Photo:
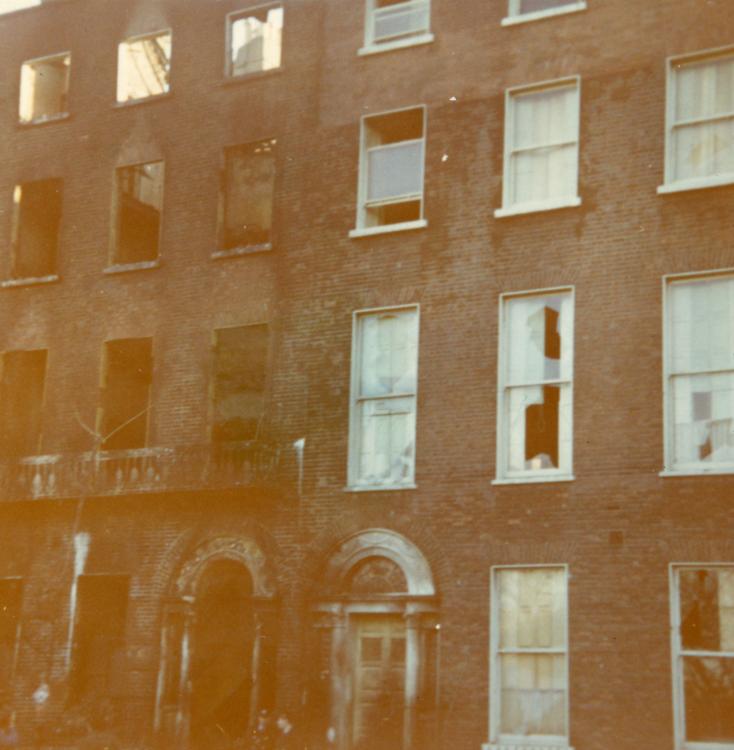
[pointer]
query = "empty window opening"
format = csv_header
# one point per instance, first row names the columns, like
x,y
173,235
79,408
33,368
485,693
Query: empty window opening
x,y
36,219
11,596
144,66
248,194
240,364
139,203
21,401
392,20
44,87
391,173
255,39
99,637
126,393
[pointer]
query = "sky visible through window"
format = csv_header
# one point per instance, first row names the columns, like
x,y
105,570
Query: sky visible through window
x,y
7,6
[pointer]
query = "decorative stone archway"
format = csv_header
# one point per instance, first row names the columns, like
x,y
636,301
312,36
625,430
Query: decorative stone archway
x,y
180,616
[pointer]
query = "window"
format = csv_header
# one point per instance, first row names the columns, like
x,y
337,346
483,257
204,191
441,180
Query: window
x,y
535,386
702,611
36,219
384,383
396,23
11,596
529,657
699,379
144,66
138,203
125,394
21,401
240,366
44,87
249,177
541,148
699,142
391,171
254,40
529,10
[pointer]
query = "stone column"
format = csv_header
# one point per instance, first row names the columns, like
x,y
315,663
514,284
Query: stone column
x,y
341,688
412,667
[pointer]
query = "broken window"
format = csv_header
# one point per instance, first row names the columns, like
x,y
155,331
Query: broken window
x,y
396,20
703,647
240,364
99,637
126,393
44,87
143,66
391,170
700,373
11,595
384,383
139,202
21,401
535,392
36,219
255,38
248,194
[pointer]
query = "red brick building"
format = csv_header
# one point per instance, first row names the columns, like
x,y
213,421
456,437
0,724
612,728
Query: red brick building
x,y
372,363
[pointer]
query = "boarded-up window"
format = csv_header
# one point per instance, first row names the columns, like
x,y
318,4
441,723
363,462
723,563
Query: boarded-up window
x,y
248,194
11,595
44,86
139,204
240,356
36,217
21,401
99,630
126,393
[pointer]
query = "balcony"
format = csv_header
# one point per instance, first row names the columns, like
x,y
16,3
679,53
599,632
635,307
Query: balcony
x,y
146,470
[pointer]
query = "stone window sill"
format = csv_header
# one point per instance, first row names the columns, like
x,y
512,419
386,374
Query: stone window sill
x,y
29,281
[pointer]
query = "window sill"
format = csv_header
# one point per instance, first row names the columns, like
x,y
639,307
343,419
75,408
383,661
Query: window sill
x,y
379,488
536,479
142,100
719,471
236,252
413,41
404,226
539,15
696,184
529,208
29,281
533,745
257,75
45,120
140,266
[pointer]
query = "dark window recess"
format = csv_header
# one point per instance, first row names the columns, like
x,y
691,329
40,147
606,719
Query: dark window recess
x,y
21,401
249,175
99,630
139,206
239,381
11,596
126,393
36,228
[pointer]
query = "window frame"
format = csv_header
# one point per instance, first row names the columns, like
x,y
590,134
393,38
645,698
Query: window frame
x,y
502,474
670,468
233,16
509,208
498,741
671,185
515,16
677,654
354,443
150,97
57,115
372,46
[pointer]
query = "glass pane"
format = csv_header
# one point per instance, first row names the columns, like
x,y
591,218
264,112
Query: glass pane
x,y
389,353
704,89
545,117
708,685
143,67
531,6
401,19
387,441
255,41
707,609
704,150
395,170
544,174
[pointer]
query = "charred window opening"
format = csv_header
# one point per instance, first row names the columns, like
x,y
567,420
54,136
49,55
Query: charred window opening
x,y
240,361
255,41
249,176
21,401
99,637
126,393
44,87
143,66
11,596
36,218
139,202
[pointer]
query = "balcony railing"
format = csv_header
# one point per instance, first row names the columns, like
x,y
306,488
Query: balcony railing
x,y
145,470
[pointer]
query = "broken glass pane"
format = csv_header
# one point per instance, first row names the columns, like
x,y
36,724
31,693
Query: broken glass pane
x,y
708,684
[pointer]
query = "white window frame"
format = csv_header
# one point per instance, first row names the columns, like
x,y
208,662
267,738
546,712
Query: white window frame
x,y
372,45
508,207
669,418
362,229
670,184
353,482
503,474
44,118
137,38
515,16
678,653
498,741
230,19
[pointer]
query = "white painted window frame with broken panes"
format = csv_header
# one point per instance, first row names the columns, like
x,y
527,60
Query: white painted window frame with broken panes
x,y
528,646
520,373
382,420
698,342
711,657
395,24
522,11
268,57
